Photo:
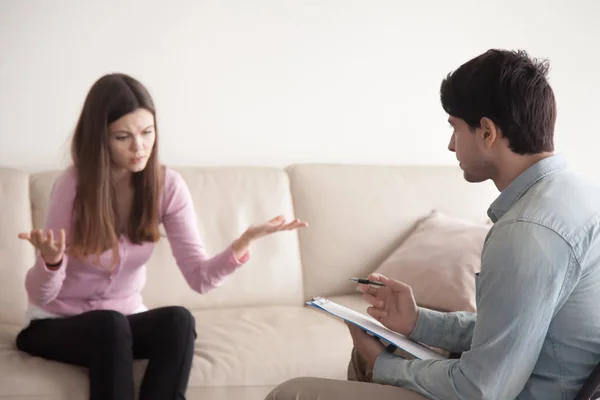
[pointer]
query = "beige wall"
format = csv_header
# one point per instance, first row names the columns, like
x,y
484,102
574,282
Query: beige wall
x,y
277,82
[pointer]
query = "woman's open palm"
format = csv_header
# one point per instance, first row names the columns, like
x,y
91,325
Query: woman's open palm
x,y
274,225
50,249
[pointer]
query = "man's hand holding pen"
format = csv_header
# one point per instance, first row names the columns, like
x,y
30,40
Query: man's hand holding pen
x,y
392,304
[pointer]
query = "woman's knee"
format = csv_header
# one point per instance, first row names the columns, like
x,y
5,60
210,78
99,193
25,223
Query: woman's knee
x,y
109,328
180,320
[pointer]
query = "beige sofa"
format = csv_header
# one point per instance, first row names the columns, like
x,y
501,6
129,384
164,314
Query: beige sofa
x,y
254,331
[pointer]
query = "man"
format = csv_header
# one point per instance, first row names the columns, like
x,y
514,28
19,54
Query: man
x,y
536,334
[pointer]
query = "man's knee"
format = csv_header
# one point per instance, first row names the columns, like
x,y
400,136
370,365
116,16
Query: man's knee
x,y
357,368
293,389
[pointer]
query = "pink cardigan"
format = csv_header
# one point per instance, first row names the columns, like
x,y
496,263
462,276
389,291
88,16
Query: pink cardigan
x,y
77,286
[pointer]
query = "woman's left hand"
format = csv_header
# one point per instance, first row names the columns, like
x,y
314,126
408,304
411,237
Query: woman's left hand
x,y
277,224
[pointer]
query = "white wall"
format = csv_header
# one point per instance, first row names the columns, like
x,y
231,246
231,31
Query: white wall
x,y
274,82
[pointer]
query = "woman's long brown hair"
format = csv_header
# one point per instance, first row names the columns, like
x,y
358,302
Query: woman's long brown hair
x,y
95,216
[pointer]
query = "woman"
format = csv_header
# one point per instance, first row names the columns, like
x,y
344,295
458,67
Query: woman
x,y
85,304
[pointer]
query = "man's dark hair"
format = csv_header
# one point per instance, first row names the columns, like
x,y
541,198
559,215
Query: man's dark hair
x,y
509,88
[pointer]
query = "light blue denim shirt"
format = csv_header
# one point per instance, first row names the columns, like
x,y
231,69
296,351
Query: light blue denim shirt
x,y
536,334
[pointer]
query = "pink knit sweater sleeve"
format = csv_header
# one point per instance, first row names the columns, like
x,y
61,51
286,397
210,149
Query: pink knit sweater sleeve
x,y
41,283
201,272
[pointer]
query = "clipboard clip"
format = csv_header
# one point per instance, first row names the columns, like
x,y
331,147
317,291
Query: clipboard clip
x,y
319,300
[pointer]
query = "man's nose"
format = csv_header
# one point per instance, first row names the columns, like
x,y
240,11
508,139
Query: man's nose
x,y
451,144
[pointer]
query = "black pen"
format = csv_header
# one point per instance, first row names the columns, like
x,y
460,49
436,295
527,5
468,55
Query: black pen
x,y
366,282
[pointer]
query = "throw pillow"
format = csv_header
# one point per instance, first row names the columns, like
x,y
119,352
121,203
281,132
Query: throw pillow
x,y
439,260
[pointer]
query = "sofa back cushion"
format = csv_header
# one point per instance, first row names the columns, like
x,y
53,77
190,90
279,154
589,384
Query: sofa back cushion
x,y
360,214
226,201
16,254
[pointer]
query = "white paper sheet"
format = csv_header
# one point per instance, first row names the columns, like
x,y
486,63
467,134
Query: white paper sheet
x,y
375,327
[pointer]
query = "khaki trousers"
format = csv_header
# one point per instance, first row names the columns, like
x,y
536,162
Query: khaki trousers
x,y
358,386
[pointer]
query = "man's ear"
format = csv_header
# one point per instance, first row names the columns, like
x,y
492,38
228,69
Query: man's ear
x,y
489,131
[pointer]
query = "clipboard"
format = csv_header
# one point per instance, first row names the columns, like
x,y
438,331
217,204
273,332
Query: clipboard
x,y
376,329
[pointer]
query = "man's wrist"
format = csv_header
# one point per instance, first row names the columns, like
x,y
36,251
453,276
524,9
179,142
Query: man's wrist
x,y
414,324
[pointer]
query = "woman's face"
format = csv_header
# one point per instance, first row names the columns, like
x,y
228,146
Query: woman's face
x,y
131,140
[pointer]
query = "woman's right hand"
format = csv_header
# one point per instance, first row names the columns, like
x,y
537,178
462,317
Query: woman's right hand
x,y
393,305
51,250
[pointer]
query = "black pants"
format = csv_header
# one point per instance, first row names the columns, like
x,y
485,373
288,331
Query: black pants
x,y
107,342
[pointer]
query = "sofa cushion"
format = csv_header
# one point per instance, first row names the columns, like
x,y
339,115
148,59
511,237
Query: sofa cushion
x,y
255,347
439,260
359,214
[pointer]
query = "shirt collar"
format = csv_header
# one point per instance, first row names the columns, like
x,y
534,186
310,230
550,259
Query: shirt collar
x,y
517,188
